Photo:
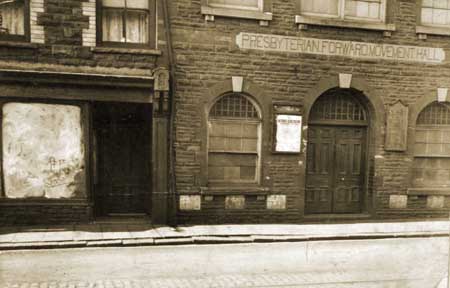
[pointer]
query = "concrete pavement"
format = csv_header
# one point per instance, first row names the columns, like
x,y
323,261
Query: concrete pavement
x,y
128,234
389,263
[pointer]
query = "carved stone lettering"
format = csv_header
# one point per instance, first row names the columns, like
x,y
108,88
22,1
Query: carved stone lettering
x,y
397,127
362,50
190,202
276,202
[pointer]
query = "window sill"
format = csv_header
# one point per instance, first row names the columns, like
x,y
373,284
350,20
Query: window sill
x,y
428,191
234,190
43,201
15,44
116,50
302,20
210,12
423,31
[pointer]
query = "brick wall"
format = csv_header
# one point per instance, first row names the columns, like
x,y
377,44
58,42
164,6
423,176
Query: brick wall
x,y
206,54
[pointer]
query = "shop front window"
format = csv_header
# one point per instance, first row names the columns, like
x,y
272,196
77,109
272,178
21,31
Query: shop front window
x,y
43,151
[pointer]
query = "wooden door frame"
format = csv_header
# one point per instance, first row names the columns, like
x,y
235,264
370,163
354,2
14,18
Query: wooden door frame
x,y
364,157
98,207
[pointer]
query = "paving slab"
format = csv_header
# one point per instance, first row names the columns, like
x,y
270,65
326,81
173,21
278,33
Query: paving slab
x,y
142,231
110,231
87,232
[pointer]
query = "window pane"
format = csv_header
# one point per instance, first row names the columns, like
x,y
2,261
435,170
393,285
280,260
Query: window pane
x,y
12,18
363,9
137,4
238,167
427,3
112,25
137,27
114,3
245,4
439,16
43,153
233,136
431,172
326,7
427,15
440,4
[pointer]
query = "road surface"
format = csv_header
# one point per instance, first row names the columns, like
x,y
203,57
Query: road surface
x,y
407,262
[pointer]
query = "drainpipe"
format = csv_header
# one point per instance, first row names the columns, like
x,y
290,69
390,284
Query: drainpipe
x,y
172,199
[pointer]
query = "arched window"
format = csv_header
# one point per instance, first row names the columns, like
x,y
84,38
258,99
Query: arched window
x,y
432,147
234,136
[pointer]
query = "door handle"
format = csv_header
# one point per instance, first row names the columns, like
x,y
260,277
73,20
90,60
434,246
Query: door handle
x,y
343,178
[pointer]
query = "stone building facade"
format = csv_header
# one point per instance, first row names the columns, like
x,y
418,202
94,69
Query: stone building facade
x,y
224,111
297,110
84,97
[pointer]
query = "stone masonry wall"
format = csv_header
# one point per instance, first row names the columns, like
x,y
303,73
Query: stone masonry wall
x,y
206,54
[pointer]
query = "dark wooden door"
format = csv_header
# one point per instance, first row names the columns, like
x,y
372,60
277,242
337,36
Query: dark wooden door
x,y
335,169
123,140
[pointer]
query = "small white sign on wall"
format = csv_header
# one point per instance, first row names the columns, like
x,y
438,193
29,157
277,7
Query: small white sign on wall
x,y
288,135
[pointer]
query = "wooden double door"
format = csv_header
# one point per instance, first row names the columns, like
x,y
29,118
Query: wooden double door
x,y
122,133
335,169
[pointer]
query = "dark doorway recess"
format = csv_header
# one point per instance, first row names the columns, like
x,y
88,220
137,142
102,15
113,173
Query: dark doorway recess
x,y
336,154
122,158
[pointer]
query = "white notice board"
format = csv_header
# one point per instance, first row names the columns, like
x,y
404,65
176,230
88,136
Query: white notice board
x,y
288,133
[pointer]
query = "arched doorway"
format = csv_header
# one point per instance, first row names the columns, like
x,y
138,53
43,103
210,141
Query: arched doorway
x,y
337,153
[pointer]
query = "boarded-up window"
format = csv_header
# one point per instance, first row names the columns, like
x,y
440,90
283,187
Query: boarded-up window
x,y
346,9
234,137
43,152
237,4
125,21
435,12
12,17
432,147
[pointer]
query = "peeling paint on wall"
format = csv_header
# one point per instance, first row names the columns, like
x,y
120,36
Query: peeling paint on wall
x,y
43,152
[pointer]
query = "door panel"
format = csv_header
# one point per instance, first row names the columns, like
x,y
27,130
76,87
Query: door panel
x,y
349,179
319,170
335,174
124,146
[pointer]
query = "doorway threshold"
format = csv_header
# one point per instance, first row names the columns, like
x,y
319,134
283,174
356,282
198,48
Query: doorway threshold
x,y
124,219
332,218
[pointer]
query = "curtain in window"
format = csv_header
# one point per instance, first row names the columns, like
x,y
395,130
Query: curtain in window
x,y
137,27
12,17
245,4
435,12
133,15
112,25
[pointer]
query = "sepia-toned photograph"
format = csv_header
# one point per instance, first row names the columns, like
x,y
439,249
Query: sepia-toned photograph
x,y
224,143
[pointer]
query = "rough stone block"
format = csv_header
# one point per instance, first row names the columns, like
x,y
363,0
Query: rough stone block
x,y
276,202
398,201
234,202
435,202
190,202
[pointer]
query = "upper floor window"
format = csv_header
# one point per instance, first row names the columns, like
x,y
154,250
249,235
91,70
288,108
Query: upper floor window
x,y
127,22
435,12
256,5
234,134
368,10
13,19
